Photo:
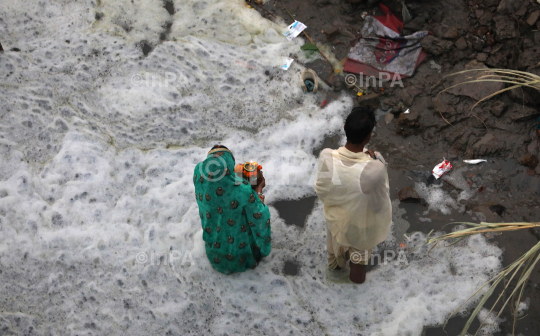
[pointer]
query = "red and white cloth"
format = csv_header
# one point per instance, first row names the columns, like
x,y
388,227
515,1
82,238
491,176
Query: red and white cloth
x,y
383,49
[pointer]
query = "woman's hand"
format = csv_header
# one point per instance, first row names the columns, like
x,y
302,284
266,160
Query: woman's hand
x,y
261,182
259,187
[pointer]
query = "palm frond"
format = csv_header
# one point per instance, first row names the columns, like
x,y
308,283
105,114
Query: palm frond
x,y
514,77
526,262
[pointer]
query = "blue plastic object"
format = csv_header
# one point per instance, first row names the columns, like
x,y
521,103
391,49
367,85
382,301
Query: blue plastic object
x,y
309,85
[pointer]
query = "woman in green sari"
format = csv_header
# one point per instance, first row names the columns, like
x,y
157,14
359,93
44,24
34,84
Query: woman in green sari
x,y
234,218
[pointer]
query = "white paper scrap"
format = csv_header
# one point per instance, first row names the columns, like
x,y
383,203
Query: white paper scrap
x,y
474,161
287,63
294,30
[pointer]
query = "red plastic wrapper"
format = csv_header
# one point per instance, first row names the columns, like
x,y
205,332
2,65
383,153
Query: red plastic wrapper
x,y
442,168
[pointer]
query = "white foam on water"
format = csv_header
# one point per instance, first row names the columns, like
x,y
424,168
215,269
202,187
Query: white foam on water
x,y
491,322
397,298
99,229
440,200
523,307
436,197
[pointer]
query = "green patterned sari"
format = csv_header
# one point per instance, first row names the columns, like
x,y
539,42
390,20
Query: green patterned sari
x,y
236,224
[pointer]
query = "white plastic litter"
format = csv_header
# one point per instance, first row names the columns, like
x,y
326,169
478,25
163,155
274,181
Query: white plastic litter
x,y
294,30
405,12
441,168
378,156
477,161
407,112
287,63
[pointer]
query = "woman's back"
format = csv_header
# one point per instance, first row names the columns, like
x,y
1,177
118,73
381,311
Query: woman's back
x,y
236,224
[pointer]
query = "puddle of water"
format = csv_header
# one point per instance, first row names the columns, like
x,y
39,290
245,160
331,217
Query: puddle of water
x,y
169,6
329,142
295,212
291,267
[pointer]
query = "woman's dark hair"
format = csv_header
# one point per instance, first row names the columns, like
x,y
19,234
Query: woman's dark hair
x,y
218,146
219,153
359,124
